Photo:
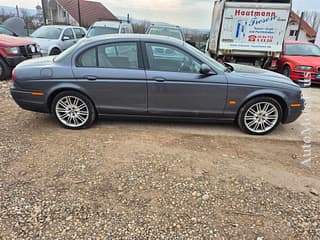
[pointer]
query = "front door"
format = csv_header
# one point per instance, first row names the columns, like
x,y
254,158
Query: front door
x,y
176,87
68,39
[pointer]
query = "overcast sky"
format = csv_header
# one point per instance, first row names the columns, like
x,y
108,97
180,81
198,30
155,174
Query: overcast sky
x,y
188,13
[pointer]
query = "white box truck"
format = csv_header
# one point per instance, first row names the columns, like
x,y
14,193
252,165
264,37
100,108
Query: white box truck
x,y
249,32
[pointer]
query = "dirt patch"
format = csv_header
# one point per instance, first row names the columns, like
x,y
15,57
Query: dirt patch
x,y
150,180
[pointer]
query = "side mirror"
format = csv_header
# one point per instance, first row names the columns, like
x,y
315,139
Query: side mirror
x,y
65,38
205,69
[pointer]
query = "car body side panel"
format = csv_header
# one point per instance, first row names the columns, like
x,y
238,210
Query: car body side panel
x,y
114,90
186,94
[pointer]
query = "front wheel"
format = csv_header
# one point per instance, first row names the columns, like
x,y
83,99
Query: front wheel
x,y
73,110
260,116
287,71
4,70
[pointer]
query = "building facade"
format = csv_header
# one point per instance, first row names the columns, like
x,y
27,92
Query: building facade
x,y
67,12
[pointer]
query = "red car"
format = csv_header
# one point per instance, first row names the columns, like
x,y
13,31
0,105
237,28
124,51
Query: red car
x,y
14,50
300,61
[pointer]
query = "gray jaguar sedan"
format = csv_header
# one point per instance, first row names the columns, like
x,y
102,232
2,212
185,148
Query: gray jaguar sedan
x,y
153,76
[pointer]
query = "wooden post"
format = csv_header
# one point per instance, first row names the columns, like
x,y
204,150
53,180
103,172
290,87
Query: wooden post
x,y
299,29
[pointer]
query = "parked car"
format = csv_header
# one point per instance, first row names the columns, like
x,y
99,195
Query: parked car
x,y
7,31
124,75
14,50
300,61
166,30
109,27
53,39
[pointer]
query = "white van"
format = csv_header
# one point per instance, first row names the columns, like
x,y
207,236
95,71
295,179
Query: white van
x,y
109,27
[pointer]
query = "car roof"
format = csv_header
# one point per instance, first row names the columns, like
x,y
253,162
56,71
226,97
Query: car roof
x,y
107,24
297,42
145,37
61,26
164,25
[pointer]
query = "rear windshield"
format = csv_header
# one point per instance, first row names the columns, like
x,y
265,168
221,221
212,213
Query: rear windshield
x,y
164,31
302,50
95,31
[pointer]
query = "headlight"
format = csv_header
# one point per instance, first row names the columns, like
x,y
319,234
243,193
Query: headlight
x,y
12,50
38,48
32,48
304,68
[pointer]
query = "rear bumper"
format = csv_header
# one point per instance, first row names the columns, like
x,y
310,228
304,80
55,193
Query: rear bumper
x,y
27,101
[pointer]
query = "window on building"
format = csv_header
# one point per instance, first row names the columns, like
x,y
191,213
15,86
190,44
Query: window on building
x,y
293,33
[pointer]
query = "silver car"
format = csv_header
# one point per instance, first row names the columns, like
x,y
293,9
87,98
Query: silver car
x,y
53,39
153,76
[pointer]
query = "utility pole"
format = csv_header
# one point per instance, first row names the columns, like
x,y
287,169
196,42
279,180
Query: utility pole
x,y
300,23
79,13
44,11
17,8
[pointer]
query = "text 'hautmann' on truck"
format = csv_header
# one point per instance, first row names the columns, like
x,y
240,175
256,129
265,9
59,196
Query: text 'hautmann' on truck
x,y
249,32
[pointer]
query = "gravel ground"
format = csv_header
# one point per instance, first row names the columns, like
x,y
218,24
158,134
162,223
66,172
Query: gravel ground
x,y
155,180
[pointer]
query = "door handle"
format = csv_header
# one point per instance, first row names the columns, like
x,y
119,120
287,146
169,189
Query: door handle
x,y
159,79
91,78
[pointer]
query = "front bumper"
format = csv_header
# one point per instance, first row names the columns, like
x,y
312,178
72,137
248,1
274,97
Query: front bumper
x,y
13,61
294,112
27,101
305,77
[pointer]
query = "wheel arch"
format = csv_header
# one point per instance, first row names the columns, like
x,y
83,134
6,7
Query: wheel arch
x,y
279,97
55,91
53,47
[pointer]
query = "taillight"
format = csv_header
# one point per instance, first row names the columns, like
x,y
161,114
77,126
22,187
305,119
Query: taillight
x,y
14,76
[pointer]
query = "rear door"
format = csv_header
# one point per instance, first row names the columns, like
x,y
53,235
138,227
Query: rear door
x,y
176,87
114,77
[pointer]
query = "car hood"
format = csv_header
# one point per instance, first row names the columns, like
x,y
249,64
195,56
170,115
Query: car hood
x,y
43,43
305,60
258,75
10,41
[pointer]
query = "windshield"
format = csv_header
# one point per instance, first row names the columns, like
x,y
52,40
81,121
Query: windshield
x,y
217,65
302,50
95,31
47,32
169,32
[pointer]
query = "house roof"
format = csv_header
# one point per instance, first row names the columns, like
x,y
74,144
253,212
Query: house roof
x,y
90,11
304,25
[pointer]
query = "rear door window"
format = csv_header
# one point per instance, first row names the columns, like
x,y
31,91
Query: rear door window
x,y
115,55
79,33
118,55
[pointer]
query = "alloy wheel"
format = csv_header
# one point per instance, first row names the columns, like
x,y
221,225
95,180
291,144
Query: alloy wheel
x,y
72,111
261,117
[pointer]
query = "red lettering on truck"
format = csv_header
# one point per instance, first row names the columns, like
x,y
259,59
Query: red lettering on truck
x,y
253,13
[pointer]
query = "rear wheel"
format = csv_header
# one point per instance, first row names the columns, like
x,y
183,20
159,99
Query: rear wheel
x,y
73,110
260,116
4,70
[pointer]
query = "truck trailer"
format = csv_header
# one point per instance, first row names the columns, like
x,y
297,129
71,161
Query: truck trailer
x,y
249,32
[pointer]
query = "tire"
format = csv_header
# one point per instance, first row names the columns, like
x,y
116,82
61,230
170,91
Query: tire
x,y
54,51
260,121
73,110
287,71
4,70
